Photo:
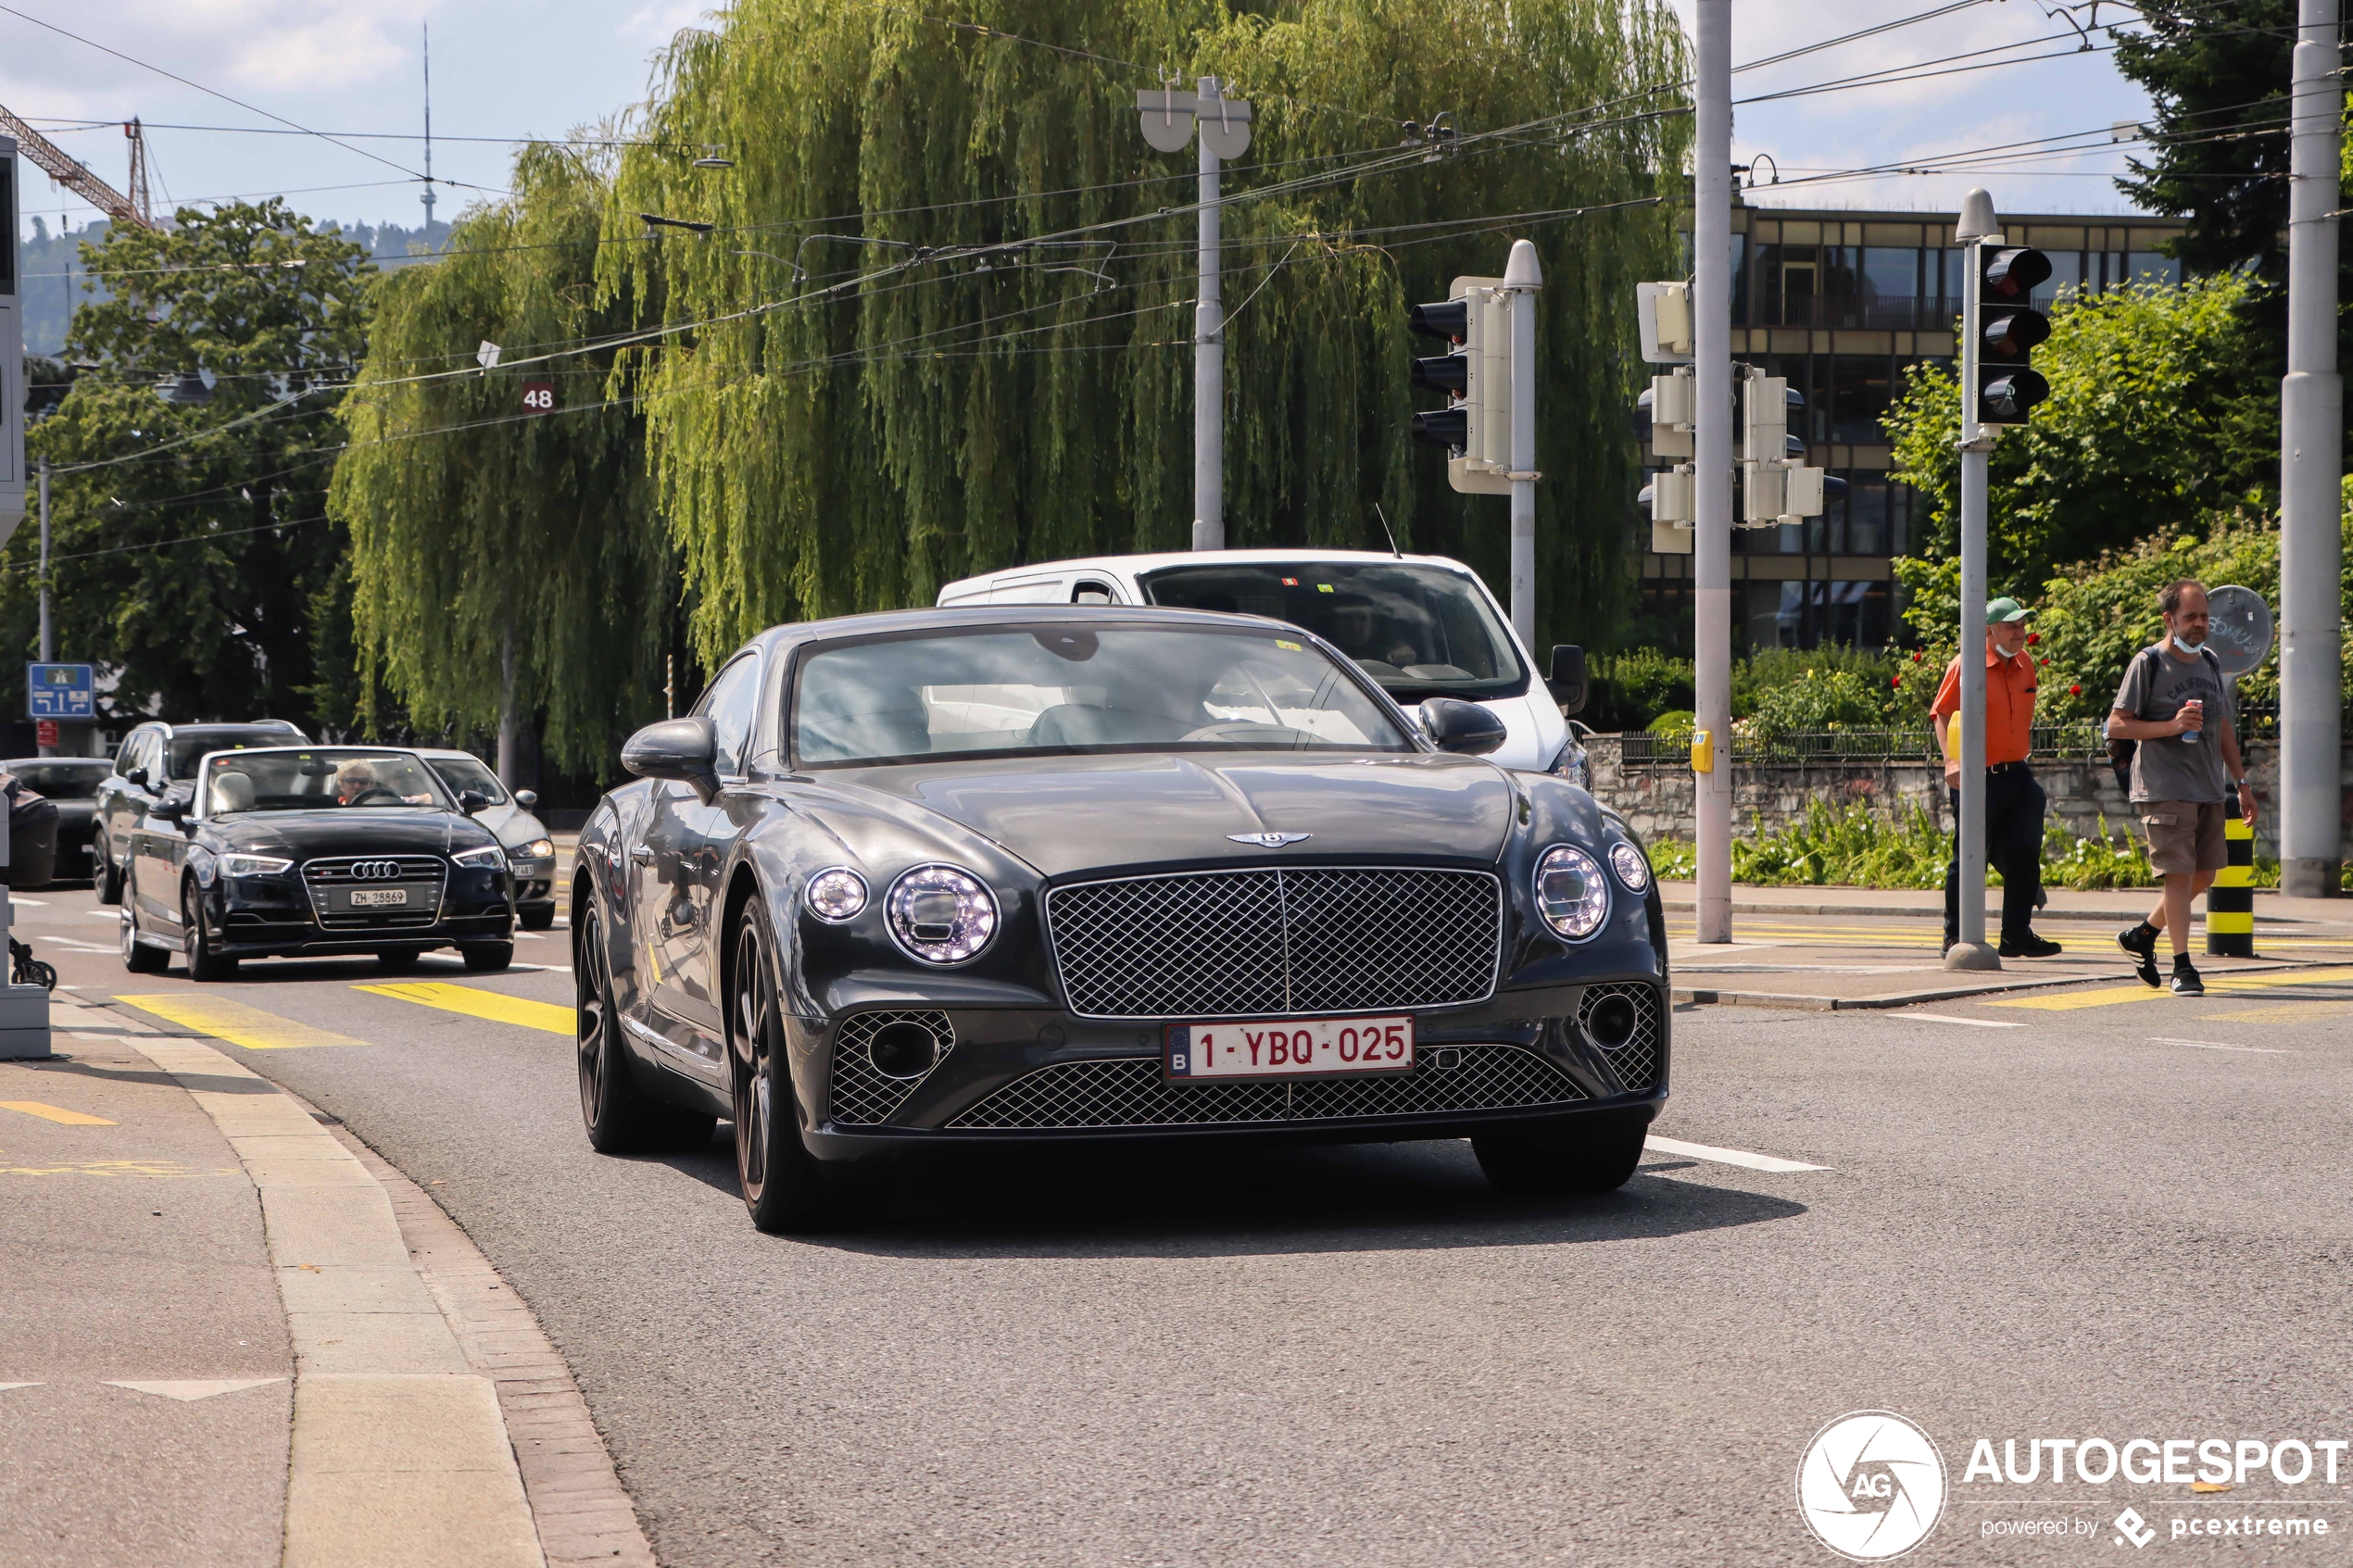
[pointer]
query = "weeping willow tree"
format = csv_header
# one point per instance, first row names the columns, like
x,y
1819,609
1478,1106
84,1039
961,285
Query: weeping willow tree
x,y
505,561
941,322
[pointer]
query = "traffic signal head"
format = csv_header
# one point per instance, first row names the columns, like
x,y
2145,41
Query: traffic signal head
x,y
2009,330
1475,426
1448,373
1449,319
2008,336
2013,276
1443,427
2010,392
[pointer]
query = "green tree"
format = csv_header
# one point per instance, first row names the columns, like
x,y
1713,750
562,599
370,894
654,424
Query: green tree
x,y
190,538
942,322
504,560
2156,418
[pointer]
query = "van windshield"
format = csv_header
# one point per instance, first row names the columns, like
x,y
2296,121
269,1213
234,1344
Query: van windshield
x,y
1420,630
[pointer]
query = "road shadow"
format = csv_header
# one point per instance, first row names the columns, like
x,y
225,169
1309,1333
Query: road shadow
x,y
1237,1198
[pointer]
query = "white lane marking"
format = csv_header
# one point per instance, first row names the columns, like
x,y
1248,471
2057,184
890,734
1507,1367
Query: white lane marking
x,y
114,916
189,1390
6,1386
2218,1046
1972,1022
527,937
78,947
24,903
1739,1157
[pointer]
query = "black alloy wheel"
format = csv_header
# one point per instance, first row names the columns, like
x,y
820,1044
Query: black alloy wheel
x,y
1576,1156
783,1186
204,964
620,1116
137,957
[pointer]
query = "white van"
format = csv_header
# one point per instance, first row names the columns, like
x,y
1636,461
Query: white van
x,y
1423,626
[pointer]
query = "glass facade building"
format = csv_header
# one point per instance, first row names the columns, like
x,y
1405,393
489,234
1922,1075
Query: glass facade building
x,y
1844,305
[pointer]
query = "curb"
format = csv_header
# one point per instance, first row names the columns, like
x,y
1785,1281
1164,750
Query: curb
x,y
1924,912
1703,996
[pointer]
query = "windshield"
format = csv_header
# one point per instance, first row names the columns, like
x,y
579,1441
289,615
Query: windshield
x,y
61,782
327,779
1074,688
462,773
187,750
1418,629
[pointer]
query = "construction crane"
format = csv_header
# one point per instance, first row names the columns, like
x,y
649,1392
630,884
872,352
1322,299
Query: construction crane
x,y
75,175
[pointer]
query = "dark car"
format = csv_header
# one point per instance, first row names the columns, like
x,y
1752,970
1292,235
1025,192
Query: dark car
x,y
1046,873
73,783
156,761
308,850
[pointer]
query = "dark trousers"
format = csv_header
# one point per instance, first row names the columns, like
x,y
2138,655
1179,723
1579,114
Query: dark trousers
x,y
2014,805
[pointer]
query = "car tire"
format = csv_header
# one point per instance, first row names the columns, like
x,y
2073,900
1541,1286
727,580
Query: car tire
x,y
620,1116
137,957
397,961
486,958
109,879
204,964
1574,1155
783,1186
536,920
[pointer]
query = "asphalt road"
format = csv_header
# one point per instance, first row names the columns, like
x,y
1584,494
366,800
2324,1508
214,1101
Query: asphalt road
x,y
2126,1218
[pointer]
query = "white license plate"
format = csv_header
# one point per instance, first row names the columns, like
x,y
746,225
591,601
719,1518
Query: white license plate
x,y
1293,1048
378,897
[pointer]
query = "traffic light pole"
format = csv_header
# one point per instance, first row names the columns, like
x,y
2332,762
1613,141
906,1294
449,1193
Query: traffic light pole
x,y
1970,951
1522,277
2312,467
1209,358
1712,463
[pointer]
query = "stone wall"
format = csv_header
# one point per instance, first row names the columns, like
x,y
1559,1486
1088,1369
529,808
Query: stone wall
x,y
1659,800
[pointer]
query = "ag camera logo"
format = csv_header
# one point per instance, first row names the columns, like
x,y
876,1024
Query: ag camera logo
x,y
1871,1485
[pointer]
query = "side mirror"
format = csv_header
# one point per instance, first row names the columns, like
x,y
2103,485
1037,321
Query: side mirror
x,y
174,810
1567,677
471,800
136,776
685,750
1463,727
527,798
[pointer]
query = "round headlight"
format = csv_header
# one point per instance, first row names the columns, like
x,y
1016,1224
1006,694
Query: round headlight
x,y
835,895
941,914
1570,892
1631,869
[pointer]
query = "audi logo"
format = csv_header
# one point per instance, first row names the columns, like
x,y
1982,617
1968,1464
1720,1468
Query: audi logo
x,y
375,871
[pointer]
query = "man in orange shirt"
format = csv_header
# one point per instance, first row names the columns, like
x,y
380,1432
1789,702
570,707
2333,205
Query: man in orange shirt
x,y
2014,801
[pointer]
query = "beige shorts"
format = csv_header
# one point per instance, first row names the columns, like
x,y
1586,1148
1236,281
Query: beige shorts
x,y
2184,836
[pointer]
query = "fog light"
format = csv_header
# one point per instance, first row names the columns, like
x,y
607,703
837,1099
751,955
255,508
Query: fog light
x,y
1611,1022
902,1050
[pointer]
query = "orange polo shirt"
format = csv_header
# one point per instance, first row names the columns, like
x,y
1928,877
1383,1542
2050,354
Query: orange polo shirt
x,y
2010,704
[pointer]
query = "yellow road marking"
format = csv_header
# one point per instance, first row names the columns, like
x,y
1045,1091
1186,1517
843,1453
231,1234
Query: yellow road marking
x,y
2113,996
54,1113
224,1019
475,1002
156,1168
2285,1012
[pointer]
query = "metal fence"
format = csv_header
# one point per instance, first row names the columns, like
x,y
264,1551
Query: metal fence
x,y
2086,742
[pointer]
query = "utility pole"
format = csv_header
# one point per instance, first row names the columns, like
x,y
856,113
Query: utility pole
x,y
2311,468
1522,277
428,197
1976,227
1712,465
1170,121
509,764
49,648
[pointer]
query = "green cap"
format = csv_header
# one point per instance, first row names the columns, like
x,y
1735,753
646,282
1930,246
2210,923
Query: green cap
x,y
2002,610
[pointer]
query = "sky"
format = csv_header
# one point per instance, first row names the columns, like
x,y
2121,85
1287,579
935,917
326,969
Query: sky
x,y
508,68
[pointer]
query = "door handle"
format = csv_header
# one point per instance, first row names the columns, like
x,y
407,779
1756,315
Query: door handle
x,y
642,854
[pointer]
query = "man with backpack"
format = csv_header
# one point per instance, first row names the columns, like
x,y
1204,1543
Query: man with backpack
x,y
2177,709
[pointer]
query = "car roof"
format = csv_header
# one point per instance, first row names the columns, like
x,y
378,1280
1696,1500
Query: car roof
x,y
56,762
1136,565
965,617
443,754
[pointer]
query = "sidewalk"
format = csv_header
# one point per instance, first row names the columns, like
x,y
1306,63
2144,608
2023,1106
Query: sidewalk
x,y
1845,947
239,1337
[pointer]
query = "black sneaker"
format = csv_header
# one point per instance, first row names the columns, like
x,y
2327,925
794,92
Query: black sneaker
x,y
2140,942
2186,982
2029,947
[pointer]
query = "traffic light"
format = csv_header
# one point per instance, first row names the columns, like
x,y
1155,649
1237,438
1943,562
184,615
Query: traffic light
x,y
1476,375
2009,329
1776,485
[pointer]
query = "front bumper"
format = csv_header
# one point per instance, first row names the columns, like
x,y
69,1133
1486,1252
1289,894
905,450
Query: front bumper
x,y
1017,1074
274,917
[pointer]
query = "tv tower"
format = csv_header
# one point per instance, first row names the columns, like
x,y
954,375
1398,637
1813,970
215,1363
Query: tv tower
x,y
428,195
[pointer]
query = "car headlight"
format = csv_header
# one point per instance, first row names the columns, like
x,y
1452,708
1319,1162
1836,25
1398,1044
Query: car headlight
x,y
941,914
482,854
1570,764
253,865
1570,892
1631,869
835,895
538,850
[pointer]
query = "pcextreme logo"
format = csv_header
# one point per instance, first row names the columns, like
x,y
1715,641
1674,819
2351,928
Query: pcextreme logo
x,y
1871,1485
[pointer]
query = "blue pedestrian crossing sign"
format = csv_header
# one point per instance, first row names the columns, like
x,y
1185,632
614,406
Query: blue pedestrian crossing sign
x,y
59,691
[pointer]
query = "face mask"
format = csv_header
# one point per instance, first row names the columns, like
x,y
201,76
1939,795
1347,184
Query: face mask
x,y
2006,653
2187,647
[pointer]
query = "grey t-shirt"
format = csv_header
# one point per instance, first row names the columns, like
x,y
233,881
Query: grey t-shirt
x,y
2174,767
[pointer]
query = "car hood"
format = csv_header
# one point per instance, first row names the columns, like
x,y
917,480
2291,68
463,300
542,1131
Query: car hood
x,y
1068,814
344,831
512,824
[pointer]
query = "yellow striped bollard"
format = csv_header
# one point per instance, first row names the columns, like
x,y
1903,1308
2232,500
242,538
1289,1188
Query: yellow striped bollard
x,y
2230,903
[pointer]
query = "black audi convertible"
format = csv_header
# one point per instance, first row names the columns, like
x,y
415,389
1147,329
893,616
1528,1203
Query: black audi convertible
x,y
281,851
968,875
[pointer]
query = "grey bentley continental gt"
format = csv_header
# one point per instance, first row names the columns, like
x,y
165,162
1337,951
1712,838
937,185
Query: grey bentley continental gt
x,y
1047,873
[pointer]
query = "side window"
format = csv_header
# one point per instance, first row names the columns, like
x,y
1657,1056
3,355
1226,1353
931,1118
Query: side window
x,y
731,704
150,757
128,758
1090,592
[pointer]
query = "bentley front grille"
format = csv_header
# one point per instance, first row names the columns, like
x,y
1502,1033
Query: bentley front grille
x,y
864,1095
424,876
1637,1061
1130,1092
1266,943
